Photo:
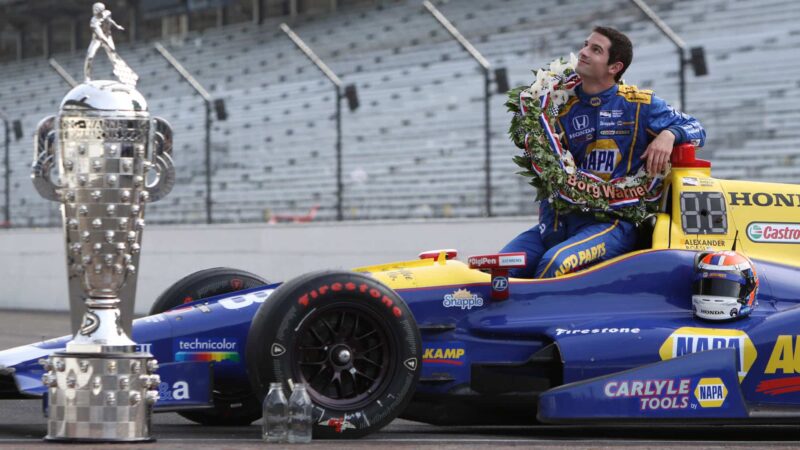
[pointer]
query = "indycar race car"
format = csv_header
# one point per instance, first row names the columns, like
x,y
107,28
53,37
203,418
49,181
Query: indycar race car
x,y
441,341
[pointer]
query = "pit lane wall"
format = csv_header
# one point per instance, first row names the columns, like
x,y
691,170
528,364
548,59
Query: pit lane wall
x,y
33,271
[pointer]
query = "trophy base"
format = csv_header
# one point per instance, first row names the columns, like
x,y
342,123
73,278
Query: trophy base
x,y
95,397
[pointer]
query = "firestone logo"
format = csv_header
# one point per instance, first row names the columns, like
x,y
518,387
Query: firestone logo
x,y
786,233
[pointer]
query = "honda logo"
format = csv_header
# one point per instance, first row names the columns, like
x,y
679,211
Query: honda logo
x,y
580,122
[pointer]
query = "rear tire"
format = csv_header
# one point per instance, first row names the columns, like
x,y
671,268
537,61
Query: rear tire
x,y
233,405
352,340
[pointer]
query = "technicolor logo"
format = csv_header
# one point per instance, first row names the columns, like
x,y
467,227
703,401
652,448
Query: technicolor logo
x,y
710,392
207,350
686,340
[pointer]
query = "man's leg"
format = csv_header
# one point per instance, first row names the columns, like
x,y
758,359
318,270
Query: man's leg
x,y
591,244
87,64
530,242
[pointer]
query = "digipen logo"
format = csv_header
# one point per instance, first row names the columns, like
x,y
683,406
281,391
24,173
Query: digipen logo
x,y
482,261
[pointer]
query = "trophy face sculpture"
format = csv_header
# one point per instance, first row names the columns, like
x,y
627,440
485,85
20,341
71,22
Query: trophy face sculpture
x,y
112,159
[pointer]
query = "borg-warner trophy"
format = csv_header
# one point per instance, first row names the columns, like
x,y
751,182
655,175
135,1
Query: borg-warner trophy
x,y
112,158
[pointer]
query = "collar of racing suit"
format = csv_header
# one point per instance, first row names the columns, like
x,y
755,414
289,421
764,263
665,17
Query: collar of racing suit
x,y
604,96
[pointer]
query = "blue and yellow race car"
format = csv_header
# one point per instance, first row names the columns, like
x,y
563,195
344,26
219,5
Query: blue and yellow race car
x,y
441,341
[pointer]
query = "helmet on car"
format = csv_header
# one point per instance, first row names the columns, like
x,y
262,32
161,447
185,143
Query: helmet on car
x,y
725,286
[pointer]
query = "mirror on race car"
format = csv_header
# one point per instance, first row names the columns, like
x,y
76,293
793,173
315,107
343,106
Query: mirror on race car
x,y
498,265
449,253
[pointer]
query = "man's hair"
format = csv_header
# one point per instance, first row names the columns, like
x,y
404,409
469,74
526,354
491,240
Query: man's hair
x,y
621,48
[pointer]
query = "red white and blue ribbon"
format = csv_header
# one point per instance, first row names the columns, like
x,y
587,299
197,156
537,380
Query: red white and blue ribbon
x,y
652,189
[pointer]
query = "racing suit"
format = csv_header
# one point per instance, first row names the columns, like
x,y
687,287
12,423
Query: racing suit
x,y
607,134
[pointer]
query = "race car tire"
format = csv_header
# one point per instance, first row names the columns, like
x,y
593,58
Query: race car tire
x,y
233,405
349,338
205,284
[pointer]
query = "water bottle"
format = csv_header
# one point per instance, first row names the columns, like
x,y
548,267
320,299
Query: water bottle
x,y
275,414
299,415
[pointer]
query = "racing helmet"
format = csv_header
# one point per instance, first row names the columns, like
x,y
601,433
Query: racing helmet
x,y
725,286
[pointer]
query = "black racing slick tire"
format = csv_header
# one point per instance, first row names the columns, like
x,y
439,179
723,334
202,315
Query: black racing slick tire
x,y
349,338
233,405
205,284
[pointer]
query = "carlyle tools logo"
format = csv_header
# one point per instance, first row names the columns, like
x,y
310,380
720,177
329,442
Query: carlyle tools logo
x,y
784,233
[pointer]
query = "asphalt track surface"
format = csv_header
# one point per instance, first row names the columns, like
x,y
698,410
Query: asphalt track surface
x,y
22,424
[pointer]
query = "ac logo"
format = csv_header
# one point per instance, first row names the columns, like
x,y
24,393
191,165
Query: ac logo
x,y
785,357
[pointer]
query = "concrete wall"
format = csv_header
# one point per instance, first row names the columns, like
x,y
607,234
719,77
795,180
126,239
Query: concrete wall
x,y
33,267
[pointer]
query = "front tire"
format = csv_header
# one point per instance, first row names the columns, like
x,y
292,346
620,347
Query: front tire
x,y
349,338
233,405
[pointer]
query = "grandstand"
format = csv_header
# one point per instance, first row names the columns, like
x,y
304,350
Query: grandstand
x,y
414,148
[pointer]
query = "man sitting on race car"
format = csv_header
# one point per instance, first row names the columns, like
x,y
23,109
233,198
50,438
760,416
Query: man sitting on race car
x,y
611,130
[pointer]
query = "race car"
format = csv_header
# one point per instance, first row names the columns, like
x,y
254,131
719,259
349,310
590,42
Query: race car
x,y
441,341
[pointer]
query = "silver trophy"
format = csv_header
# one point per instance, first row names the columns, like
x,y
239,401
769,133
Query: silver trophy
x,y
112,158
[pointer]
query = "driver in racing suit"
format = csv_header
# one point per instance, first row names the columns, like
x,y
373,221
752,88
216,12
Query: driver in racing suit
x,y
611,131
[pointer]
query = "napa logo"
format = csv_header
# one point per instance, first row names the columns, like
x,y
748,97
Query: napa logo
x,y
755,232
601,158
710,392
687,340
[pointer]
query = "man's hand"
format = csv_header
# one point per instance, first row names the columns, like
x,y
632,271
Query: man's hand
x,y
658,152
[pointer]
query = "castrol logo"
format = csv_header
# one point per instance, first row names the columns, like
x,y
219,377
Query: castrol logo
x,y
782,233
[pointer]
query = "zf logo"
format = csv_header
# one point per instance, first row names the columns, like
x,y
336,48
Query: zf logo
x,y
500,283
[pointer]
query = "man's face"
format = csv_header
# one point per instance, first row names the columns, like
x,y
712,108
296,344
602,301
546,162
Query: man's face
x,y
593,59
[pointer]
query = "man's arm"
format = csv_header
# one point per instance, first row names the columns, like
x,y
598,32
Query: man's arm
x,y
111,21
670,128
97,29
